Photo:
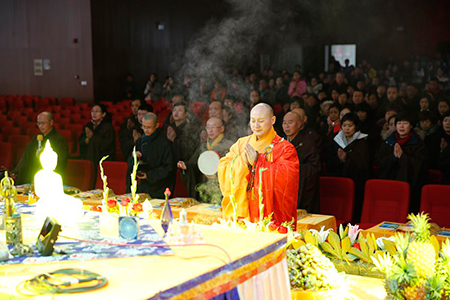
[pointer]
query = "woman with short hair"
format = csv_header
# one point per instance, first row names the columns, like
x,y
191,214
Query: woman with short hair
x,y
403,157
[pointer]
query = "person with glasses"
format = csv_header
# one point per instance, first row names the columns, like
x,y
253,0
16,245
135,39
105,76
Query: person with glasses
x,y
98,137
156,167
217,142
130,131
30,164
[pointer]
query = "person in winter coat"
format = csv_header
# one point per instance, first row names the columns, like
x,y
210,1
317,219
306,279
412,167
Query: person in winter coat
x,y
353,152
403,157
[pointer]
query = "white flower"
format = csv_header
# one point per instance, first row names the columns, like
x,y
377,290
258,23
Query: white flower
x,y
147,208
321,235
380,242
353,231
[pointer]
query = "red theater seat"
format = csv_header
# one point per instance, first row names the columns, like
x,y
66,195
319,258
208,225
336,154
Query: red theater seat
x,y
6,155
436,202
434,177
25,126
180,188
8,131
385,200
116,172
80,173
67,101
19,143
32,131
337,197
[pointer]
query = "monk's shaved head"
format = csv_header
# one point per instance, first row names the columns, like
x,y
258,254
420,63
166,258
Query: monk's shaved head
x,y
263,107
299,111
293,115
261,119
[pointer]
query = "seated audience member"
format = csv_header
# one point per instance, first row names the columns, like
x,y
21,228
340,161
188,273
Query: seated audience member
x,y
234,128
130,89
217,142
403,157
443,106
255,98
358,97
153,88
393,97
126,129
219,92
425,102
297,87
377,111
215,109
281,91
30,164
339,84
98,137
332,163
353,153
431,136
267,95
155,172
343,99
366,122
312,109
333,120
389,128
383,125
444,155
182,133
303,139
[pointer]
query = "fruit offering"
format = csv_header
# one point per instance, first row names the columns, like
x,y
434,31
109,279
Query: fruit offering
x,y
309,269
417,270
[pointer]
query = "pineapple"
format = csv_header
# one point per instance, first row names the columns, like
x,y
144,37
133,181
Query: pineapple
x,y
420,251
417,291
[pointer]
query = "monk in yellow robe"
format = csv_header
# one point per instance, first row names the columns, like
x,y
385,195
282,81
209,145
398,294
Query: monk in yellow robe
x,y
264,149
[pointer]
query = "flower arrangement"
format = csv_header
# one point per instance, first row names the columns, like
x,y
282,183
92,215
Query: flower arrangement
x,y
127,206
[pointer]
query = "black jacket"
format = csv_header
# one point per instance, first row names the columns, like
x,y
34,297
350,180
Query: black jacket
x,y
305,142
159,165
102,143
30,164
411,167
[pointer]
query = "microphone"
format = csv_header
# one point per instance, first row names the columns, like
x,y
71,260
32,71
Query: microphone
x,y
40,138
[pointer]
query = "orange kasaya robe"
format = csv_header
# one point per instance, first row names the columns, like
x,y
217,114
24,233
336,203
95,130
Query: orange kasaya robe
x,y
280,181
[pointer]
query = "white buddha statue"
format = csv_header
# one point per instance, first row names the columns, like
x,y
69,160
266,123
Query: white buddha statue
x,y
48,187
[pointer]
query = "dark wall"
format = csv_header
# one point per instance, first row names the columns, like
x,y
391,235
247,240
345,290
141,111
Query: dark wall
x,y
126,40
385,28
45,30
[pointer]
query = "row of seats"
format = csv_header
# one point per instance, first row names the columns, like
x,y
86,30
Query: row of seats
x,y
384,200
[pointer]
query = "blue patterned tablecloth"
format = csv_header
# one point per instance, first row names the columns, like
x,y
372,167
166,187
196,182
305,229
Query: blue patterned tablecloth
x,y
89,230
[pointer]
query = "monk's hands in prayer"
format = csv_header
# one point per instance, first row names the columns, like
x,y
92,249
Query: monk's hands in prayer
x,y
89,133
342,154
138,154
250,154
181,165
398,151
136,135
171,134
